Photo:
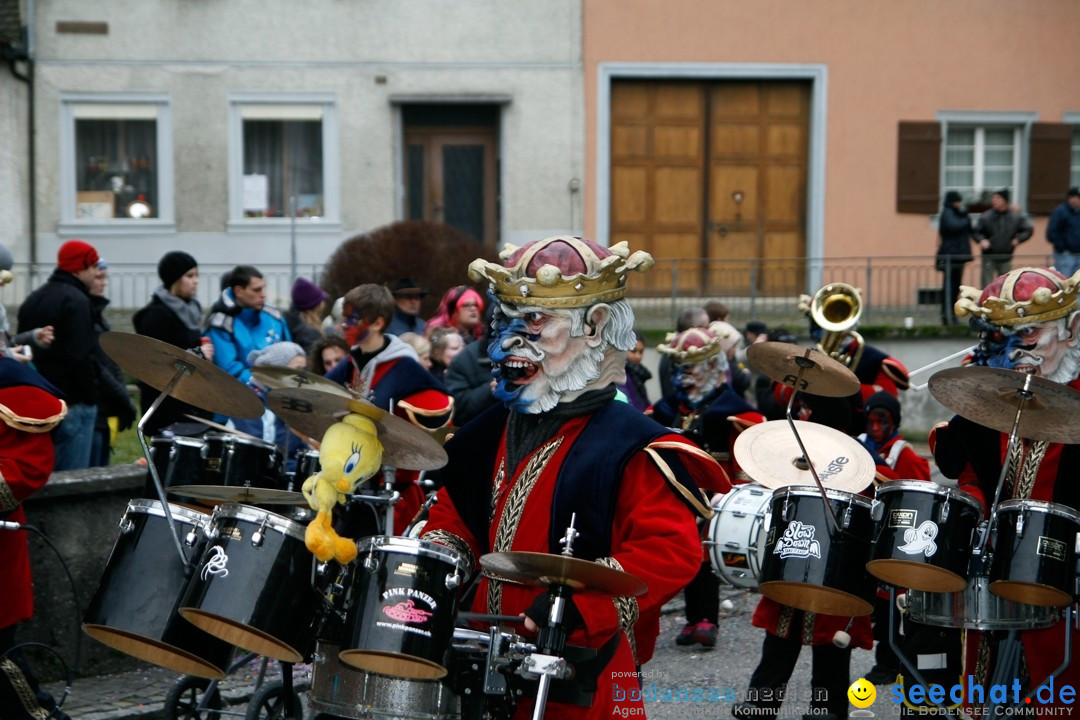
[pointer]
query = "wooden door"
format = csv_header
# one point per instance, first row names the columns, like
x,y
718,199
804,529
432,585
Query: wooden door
x,y
450,177
713,170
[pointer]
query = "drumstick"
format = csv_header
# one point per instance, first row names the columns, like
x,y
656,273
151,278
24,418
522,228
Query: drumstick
x,y
485,618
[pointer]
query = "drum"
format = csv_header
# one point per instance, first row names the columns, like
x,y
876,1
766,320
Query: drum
x,y
810,563
179,460
307,464
238,460
736,536
135,607
922,535
343,691
1035,553
976,608
403,605
253,584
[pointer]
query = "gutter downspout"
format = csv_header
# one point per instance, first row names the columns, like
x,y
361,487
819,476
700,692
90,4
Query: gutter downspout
x,y
27,56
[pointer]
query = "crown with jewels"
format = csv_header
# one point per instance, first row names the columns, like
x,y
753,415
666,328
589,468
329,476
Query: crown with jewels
x,y
560,272
691,346
1021,297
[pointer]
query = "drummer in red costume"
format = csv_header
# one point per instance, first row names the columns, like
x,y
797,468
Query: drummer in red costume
x,y
385,371
1029,322
559,444
29,408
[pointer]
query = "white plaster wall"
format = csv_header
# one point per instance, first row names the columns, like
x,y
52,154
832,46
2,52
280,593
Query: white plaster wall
x,y
14,208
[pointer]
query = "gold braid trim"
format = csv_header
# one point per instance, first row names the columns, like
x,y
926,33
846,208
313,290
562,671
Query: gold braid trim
x,y
31,424
699,502
1025,481
452,541
808,628
783,623
512,511
626,607
8,501
500,478
23,691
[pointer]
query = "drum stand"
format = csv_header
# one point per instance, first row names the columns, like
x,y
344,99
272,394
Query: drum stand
x,y
805,363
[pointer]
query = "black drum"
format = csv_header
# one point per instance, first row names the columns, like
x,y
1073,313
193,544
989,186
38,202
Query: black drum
x,y
253,584
178,460
135,607
1035,553
922,535
403,606
238,461
812,565
307,464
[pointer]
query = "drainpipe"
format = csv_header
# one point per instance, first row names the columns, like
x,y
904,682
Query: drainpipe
x,y
25,53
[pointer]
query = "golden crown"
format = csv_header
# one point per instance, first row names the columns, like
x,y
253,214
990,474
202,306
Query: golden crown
x,y
1021,297
603,281
691,346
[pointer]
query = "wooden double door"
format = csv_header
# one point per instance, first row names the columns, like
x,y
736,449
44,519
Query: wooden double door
x,y
713,170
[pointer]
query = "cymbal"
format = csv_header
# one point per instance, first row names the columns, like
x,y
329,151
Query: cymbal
x,y
205,385
769,454
990,396
823,375
311,411
543,569
275,377
239,494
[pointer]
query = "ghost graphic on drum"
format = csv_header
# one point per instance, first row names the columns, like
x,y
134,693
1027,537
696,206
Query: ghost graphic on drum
x,y
920,540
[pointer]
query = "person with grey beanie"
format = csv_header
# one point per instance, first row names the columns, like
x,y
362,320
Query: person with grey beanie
x,y
173,315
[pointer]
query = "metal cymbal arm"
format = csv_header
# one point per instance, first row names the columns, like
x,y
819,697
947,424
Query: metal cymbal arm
x,y
805,363
182,371
1023,394
388,487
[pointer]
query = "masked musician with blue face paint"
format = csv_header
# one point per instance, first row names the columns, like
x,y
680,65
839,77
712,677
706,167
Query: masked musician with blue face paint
x,y
558,445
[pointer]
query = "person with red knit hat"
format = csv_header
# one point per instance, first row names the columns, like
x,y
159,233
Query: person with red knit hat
x,y
70,363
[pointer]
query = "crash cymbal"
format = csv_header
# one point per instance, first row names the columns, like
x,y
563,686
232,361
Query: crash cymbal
x,y
239,494
276,377
823,375
206,386
312,410
769,454
990,397
542,569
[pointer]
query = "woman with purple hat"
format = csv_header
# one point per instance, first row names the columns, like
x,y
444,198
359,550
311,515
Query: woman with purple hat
x,y
304,318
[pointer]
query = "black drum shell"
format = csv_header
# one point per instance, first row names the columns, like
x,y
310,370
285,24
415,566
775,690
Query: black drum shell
x,y
398,575
178,460
307,464
1038,565
135,606
266,603
903,505
833,582
239,461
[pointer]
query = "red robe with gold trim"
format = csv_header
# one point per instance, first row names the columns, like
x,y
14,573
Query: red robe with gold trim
x,y
653,537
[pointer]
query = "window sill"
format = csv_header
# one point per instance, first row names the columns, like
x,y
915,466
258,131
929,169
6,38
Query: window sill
x,y
303,226
116,228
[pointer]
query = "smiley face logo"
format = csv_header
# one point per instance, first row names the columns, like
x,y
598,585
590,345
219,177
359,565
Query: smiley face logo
x,y
862,693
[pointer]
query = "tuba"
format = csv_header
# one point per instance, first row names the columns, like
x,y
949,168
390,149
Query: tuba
x,y
836,309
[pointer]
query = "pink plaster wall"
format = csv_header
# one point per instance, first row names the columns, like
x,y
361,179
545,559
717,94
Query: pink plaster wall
x,y
887,61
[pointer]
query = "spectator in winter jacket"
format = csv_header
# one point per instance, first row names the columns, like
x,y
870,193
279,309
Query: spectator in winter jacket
x,y
115,402
1063,232
953,252
999,231
241,321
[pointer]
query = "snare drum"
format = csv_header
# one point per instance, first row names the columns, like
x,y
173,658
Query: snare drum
x,y
976,608
402,610
1035,553
736,536
343,691
238,461
253,584
922,535
811,564
135,607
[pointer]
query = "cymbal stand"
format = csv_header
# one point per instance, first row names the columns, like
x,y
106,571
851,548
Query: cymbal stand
x,y
182,371
805,363
388,488
547,662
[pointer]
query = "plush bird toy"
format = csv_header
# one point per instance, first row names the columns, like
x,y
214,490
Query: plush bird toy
x,y
350,453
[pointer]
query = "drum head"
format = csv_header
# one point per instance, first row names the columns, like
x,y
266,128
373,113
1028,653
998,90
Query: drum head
x,y
243,636
815,598
1030,593
162,654
391,663
916,576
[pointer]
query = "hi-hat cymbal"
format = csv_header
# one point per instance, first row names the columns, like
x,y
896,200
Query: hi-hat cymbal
x,y
204,385
990,397
822,375
769,454
542,569
312,410
276,377
239,494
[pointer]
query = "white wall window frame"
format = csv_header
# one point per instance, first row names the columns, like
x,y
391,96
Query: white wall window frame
x,y
816,75
1020,121
330,221
1073,118
165,222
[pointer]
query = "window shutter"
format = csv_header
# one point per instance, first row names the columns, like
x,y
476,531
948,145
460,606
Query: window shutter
x,y
918,167
1048,176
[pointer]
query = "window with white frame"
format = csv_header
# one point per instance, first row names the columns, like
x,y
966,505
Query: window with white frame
x,y
116,159
1074,163
282,152
981,159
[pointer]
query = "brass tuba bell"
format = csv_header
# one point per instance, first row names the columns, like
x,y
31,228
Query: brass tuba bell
x,y
836,309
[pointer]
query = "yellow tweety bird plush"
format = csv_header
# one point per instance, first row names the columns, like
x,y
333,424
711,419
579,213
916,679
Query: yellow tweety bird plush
x,y
350,453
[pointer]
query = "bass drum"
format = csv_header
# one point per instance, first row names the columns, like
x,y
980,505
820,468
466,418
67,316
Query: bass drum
x,y
736,536
977,609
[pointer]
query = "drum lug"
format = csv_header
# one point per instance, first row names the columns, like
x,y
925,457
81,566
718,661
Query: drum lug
x,y
943,513
845,520
877,510
126,525
191,538
370,563
259,535
787,512
1020,524
452,581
